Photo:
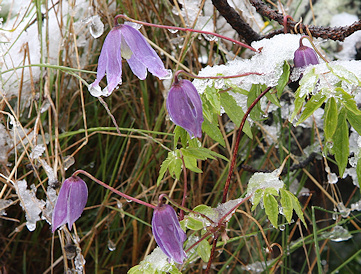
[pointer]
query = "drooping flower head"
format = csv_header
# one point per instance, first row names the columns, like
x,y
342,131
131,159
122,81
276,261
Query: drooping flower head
x,y
305,56
127,42
184,106
70,204
167,232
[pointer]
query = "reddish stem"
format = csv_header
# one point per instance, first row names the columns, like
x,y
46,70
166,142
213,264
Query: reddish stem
x,y
127,197
183,29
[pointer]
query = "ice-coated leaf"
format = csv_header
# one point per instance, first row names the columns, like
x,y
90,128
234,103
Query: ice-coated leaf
x,y
341,142
213,131
204,250
298,103
348,101
308,83
330,118
235,112
287,204
311,106
343,74
283,80
271,208
193,223
257,196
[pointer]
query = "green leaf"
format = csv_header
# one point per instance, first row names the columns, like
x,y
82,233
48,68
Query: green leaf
x,y
273,99
205,210
347,100
271,208
358,171
257,196
341,142
282,82
193,223
204,250
234,112
256,113
213,131
191,163
343,74
213,98
180,133
354,120
330,118
299,101
287,204
313,104
297,207
173,163
201,153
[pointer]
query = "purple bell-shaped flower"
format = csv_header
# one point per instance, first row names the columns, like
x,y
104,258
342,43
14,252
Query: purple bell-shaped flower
x,y
305,56
167,232
70,204
127,42
184,106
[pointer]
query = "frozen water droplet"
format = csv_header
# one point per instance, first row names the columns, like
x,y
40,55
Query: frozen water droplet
x,y
129,201
329,145
96,26
332,178
119,204
45,106
133,25
95,91
68,162
173,30
210,37
38,150
339,234
111,245
282,227
343,210
168,76
327,169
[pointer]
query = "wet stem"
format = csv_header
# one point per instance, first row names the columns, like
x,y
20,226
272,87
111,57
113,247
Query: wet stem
x,y
233,162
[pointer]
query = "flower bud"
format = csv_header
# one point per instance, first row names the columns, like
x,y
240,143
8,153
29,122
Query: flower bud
x,y
305,56
167,232
70,204
184,106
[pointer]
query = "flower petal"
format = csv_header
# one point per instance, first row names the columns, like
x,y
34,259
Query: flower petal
x,y
60,212
137,67
168,233
143,52
78,196
184,106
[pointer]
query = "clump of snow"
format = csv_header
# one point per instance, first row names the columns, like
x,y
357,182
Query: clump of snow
x,y
269,61
155,262
3,205
30,204
37,151
348,51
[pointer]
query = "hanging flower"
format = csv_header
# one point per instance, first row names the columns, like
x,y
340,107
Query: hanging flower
x,y
305,56
167,232
127,42
184,106
70,204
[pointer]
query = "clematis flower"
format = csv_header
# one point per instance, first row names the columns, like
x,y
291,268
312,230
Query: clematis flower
x,y
167,232
127,42
184,106
305,56
70,204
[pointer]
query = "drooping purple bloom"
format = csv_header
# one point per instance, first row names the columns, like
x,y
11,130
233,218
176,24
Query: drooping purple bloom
x,y
184,106
167,232
305,56
70,204
127,42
